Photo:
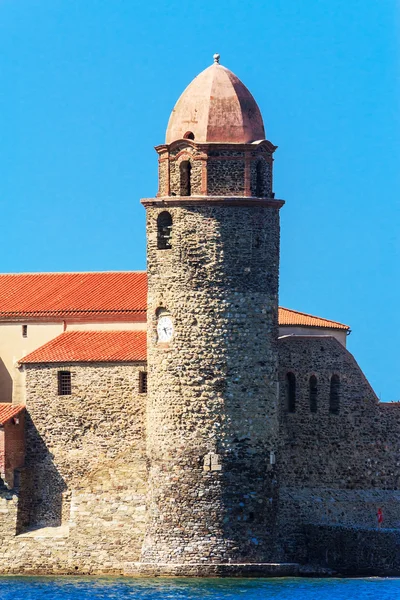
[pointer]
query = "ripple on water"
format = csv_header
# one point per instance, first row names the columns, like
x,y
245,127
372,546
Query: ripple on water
x,y
69,588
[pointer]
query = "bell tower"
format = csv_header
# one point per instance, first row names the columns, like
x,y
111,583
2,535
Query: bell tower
x,y
213,263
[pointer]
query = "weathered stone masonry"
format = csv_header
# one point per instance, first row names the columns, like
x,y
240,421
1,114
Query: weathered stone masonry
x,y
335,469
212,420
246,449
85,474
217,169
204,397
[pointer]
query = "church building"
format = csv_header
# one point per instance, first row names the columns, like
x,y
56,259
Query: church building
x,y
178,421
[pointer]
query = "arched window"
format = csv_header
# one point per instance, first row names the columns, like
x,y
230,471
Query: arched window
x,y
313,392
334,395
164,230
290,392
259,179
189,135
185,170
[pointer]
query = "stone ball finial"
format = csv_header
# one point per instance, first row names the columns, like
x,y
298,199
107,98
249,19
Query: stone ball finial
x,y
216,58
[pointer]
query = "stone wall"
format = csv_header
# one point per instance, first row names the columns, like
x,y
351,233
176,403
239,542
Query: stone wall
x,y
226,173
217,169
321,448
212,405
163,175
334,469
389,414
80,502
261,176
79,506
354,551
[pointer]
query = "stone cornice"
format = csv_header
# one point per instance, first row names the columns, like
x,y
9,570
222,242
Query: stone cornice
x,y
166,201
223,146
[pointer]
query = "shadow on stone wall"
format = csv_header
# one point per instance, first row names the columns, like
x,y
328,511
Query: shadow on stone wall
x,y
6,383
41,486
249,498
354,551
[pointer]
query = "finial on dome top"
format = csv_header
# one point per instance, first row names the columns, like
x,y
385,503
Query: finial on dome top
x,y
216,108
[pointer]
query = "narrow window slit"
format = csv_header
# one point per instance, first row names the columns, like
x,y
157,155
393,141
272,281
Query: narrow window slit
x,y
142,382
290,392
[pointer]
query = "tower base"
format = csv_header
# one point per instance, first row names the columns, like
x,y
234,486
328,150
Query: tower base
x,y
139,569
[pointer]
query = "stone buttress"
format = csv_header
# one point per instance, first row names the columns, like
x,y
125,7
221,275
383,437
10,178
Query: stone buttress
x,y
213,261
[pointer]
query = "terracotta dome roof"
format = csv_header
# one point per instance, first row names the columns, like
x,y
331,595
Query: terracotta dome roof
x,y
216,107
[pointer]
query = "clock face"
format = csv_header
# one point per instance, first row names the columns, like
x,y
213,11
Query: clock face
x,y
165,328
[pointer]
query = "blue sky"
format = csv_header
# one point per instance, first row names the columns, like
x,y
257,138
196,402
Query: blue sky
x,y
86,91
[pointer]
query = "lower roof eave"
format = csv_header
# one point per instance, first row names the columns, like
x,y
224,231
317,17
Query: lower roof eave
x,y
78,317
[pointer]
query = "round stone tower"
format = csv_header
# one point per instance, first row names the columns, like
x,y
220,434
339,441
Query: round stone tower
x,y
213,262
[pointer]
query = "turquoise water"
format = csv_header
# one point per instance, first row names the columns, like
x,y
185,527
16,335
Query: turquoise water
x,y
68,588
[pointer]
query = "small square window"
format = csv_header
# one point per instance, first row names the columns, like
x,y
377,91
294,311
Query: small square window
x,y
64,383
25,331
142,382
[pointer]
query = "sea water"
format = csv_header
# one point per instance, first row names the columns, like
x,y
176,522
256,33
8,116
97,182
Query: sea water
x,y
68,588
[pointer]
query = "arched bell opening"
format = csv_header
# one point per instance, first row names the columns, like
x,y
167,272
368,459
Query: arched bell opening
x,y
164,231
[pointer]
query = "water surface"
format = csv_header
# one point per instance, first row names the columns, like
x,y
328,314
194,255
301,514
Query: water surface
x,y
69,588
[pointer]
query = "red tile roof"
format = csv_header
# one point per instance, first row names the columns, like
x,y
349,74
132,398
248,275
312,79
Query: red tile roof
x,y
130,346
91,346
294,317
106,296
79,295
8,411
